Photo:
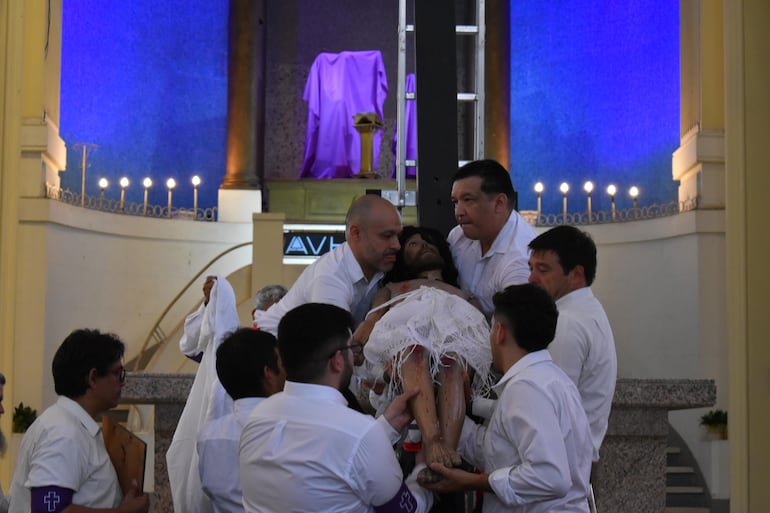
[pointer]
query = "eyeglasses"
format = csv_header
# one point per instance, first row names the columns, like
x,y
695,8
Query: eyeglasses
x,y
118,372
356,349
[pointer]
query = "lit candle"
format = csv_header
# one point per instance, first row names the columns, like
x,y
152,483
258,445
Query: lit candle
x,y
539,190
196,181
123,184
589,187
564,188
170,184
147,184
611,190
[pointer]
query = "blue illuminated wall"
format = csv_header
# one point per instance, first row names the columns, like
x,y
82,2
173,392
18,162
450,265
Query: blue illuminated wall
x,y
594,95
146,81
594,91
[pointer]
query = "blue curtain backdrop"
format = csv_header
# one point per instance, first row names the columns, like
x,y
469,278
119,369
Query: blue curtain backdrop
x,y
594,95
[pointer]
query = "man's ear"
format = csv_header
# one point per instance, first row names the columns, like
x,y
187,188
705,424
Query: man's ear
x,y
91,378
270,380
577,277
354,232
337,362
498,333
501,203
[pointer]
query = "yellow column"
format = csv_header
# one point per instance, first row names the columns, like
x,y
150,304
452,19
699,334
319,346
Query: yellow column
x,y
31,154
698,164
747,109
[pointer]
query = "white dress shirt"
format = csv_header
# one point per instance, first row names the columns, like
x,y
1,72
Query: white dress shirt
x,y
304,450
537,446
585,350
336,278
218,447
505,263
64,447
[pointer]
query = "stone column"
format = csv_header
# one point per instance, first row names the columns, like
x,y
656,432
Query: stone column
x,y
240,193
699,163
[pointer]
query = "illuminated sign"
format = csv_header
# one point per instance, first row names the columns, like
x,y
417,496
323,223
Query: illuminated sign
x,y
310,244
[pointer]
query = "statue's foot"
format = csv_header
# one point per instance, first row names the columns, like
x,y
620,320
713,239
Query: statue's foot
x,y
439,452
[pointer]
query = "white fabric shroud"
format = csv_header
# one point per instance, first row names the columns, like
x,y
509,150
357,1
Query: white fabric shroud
x,y
443,324
207,400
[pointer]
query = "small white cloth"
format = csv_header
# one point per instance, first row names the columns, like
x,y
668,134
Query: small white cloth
x,y
443,323
207,399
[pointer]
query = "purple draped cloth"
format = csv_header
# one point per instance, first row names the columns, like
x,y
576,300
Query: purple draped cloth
x,y
339,87
410,130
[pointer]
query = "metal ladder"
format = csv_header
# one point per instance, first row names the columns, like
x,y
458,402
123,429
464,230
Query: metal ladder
x,y
475,97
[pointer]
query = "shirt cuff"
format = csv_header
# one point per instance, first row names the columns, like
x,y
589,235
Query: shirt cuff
x,y
392,434
499,482
483,407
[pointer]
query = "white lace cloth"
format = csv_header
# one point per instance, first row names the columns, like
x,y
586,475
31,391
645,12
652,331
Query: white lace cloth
x,y
443,323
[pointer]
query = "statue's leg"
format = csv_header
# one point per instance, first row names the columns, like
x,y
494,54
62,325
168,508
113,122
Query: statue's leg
x,y
451,403
415,373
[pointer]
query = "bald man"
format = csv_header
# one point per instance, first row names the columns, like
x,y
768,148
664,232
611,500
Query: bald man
x,y
349,275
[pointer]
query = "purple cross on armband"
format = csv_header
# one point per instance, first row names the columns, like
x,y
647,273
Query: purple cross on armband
x,y
402,502
50,499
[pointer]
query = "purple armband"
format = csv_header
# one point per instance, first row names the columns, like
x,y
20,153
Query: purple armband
x,y
402,502
50,499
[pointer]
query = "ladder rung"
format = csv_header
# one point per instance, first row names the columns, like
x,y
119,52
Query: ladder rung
x,y
410,28
467,29
410,163
461,163
467,97
410,95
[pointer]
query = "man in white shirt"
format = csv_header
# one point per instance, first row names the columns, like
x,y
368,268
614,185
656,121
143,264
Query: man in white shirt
x,y
303,449
563,262
62,459
535,452
349,275
489,243
249,368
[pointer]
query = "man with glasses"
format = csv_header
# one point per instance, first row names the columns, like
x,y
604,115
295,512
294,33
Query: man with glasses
x,y
303,449
62,458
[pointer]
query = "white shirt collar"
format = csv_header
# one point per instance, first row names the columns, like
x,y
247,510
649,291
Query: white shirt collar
x,y
319,392
527,361
74,408
356,273
575,295
505,234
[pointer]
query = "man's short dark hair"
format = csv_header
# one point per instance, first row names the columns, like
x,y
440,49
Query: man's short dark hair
x,y
573,246
495,179
432,236
530,313
241,358
2,379
80,352
308,336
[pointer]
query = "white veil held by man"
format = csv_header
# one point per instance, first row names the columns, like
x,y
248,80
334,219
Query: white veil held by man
x,y
443,323
204,331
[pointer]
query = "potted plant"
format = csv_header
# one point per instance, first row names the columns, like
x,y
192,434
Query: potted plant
x,y
23,417
715,422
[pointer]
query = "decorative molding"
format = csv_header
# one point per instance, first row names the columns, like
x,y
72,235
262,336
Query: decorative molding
x,y
42,136
698,147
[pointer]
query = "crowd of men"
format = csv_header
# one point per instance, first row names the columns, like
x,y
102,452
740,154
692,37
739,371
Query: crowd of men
x,y
491,339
